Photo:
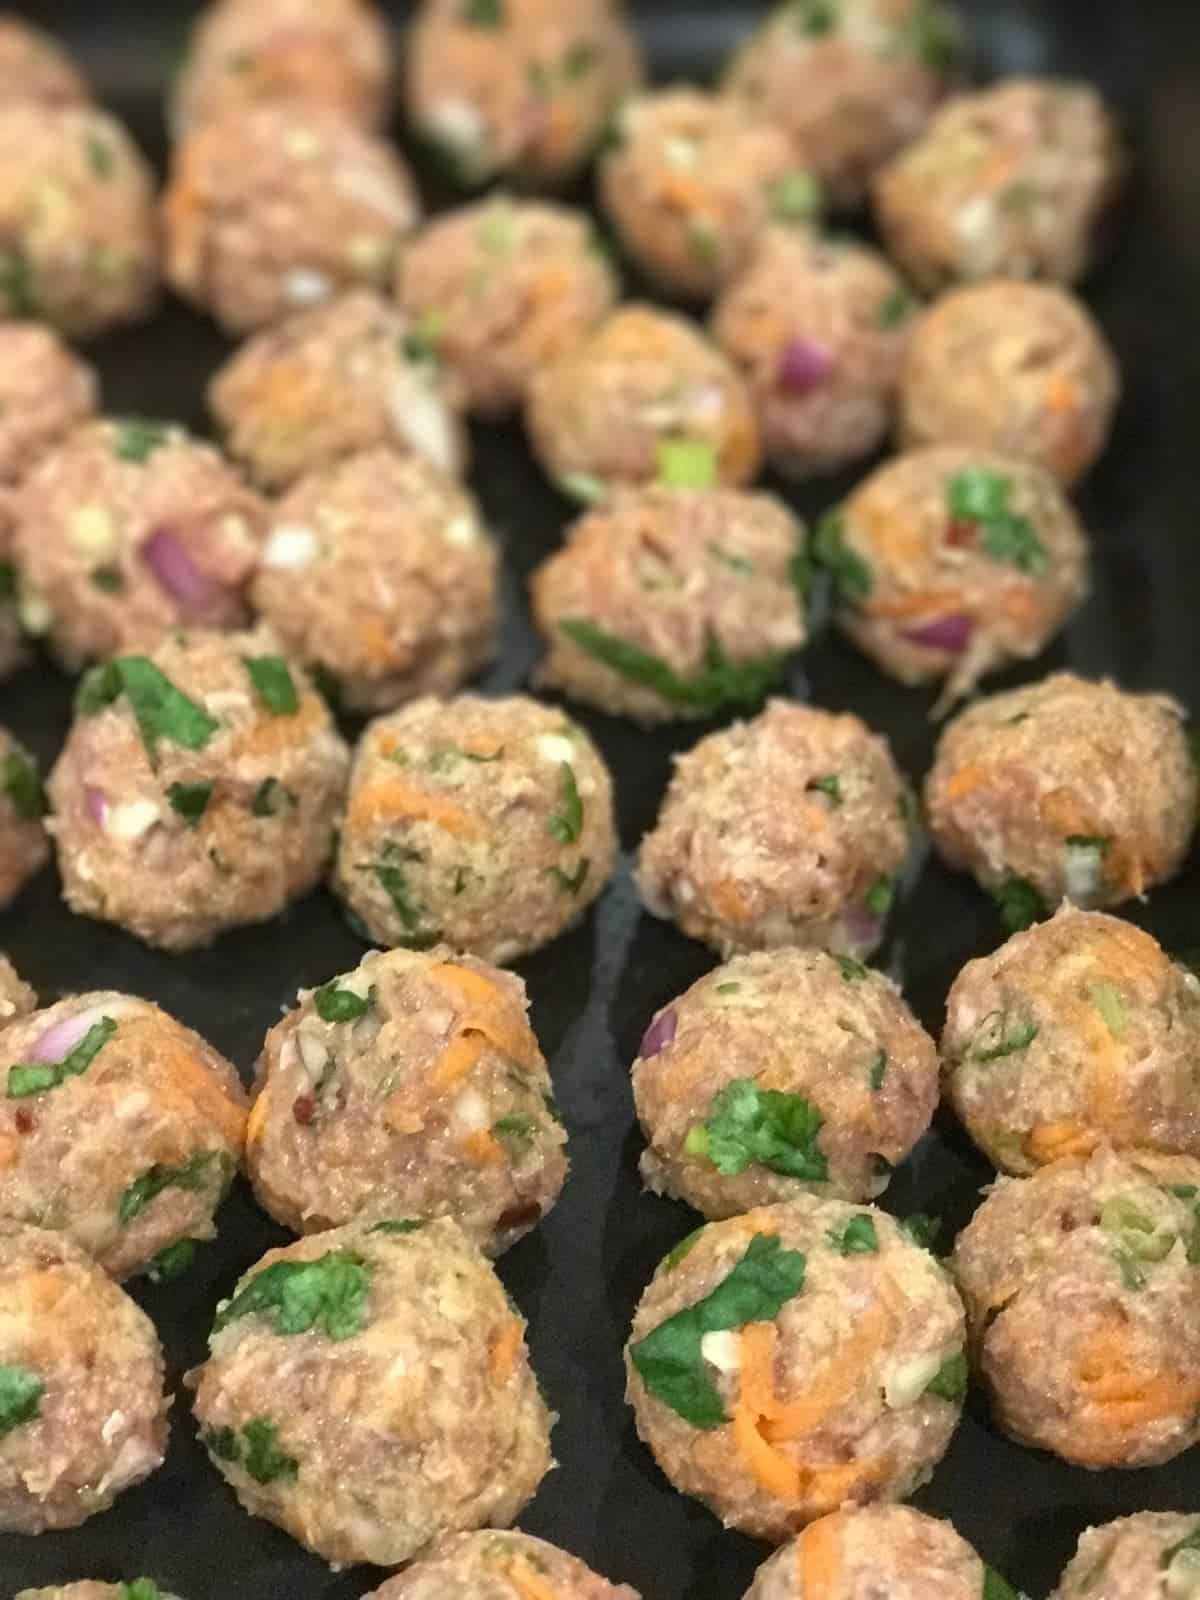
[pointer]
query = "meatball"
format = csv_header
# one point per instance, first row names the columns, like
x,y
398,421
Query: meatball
x,y
1019,368
890,1551
499,1566
335,53
782,1071
278,207
1012,181
198,789
1064,788
120,1128
646,397
128,528
82,1409
486,824
672,603
34,66
498,289
378,571
787,830
330,382
418,1415
139,1589
414,1087
950,563
691,182
1155,1552
851,81
24,848
1084,1306
17,999
77,216
518,88
819,327
824,1364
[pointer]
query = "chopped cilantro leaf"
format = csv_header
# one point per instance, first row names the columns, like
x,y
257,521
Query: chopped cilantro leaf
x,y
748,1126
1019,903
273,684
815,17
263,1459
856,1237
21,1394
139,1589
830,785
172,1261
878,1071
29,1077
895,309
851,970
483,13
684,1248
16,283
572,882
137,439
340,1005
190,800
950,1380
997,1037
922,1229
979,496
193,1174
160,709
271,798
329,1294
20,782
850,573
109,580
879,897
567,822
997,1588
390,875
719,681
516,1130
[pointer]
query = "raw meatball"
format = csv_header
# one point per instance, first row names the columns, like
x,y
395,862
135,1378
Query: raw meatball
x,y
139,1589
1065,788
1019,368
500,1566
34,66
418,1415
646,397
411,1087
523,88
819,327
1077,1033
787,830
77,217
486,824
198,789
851,80
500,288
378,571
878,1551
1153,1553
672,603
692,181
82,1409
1084,1307
335,53
1012,181
280,206
950,563
796,1359
17,999
128,528
120,1128
782,1071
329,382
24,848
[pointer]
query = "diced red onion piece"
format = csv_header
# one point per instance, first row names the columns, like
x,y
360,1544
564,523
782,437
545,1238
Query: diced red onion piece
x,y
952,633
659,1034
60,1039
96,804
173,568
805,365
863,927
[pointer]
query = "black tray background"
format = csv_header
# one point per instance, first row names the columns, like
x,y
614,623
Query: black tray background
x,y
578,1278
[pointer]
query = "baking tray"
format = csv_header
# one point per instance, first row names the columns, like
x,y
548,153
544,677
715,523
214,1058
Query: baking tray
x,y
578,1277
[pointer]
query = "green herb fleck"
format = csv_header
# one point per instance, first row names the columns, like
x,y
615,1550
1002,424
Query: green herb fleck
x,y
683,1249
571,882
28,1078
516,1130
730,559
981,497
567,822
20,782
21,1394
390,875
795,197
687,463
273,684
137,439
16,284
895,309
497,232
852,971
109,580
193,1174
160,709
422,342
329,1294
579,60
1019,903
800,574
879,897
1106,998
139,1589
850,573
878,1071
172,1261
190,800
397,1225
997,1038
922,1229
728,988
483,13
830,785
704,247
341,1005
263,1459
719,682
950,1380
100,157
222,1443
856,1237
749,1126
814,17
271,798
935,37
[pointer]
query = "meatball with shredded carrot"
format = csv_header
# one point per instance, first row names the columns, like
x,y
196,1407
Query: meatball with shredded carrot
x,y
499,1566
24,847
34,66
1151,1553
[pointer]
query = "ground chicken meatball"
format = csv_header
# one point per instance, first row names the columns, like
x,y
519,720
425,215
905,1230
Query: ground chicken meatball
x,y
823,1364
411,1087
518,88
850,80
330,382
198,789
782,1071
127,528
672,603
692,181
24,848
950,563
418,1413
499,1566
819,327
1135,1558
1019,368
1012,181
278,207
34,66
1084,1306
17,999
377,570
499,289
787,830
646,397
89,260
139,1589
876,1551
120,1128
486,824
82,1409
335,53
1065,788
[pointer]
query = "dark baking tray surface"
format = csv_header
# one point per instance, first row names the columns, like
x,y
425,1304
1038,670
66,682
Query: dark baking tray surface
x,y
578,1278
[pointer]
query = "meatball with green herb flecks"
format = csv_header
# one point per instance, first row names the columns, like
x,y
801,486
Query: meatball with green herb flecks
x,y
794,1360
198,790
674,603
420,1415
24,848
782,1071
120,1128
138,1589
1153,1553
499,1566
34,66
486,825
412,1086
